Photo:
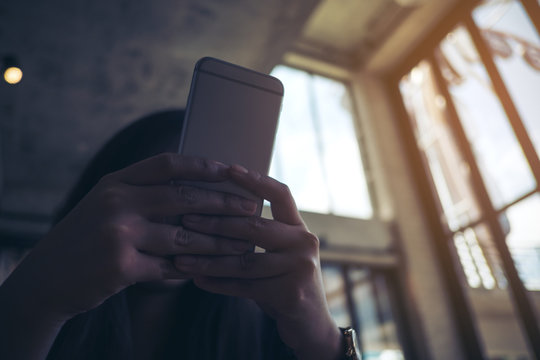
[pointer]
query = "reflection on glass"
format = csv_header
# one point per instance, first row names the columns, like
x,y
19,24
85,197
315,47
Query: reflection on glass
x,y
316,151
450,173
503,165
515,44
493,310
523,225
377,326
334,287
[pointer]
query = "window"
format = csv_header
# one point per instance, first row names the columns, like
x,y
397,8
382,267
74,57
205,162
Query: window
x,y
473,106
317,152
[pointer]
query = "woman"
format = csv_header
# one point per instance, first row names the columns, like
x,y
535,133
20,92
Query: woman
x,y
140,267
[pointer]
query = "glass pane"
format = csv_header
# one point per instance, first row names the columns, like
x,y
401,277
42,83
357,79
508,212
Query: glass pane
x,y
492,306
377,326
317,152
478,258
523,227
515,45
341,157
449,171
295,159
500,158
334,287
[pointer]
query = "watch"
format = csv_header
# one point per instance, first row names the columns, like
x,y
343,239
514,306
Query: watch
x,y
352,351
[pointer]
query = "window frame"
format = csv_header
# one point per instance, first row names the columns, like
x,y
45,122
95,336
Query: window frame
x,y
490,215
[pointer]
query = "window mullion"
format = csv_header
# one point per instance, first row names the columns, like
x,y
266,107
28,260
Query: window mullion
x,y
521,301
504,97
461,308
351,306
533,10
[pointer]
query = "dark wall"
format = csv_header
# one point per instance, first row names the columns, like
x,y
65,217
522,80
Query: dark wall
x,y
91,67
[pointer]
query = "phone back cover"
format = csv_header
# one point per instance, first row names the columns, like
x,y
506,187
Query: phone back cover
x,y
231,121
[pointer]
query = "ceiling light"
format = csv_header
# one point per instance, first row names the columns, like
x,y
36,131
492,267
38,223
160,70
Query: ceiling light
x,y
11,70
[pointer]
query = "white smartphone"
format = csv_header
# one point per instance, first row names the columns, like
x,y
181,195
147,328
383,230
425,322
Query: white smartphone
x,y
231,116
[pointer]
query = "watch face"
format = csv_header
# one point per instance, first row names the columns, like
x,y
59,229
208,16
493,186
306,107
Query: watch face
x,y
352,351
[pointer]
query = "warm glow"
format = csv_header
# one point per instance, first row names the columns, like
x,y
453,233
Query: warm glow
x,y
13,75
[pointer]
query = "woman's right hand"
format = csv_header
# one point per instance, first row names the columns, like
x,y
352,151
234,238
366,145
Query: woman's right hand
x,y
116,236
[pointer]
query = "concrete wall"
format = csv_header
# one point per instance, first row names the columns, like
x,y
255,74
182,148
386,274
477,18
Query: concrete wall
x,y
90,67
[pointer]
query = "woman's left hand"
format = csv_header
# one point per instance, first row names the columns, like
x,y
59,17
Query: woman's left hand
x,y
285,281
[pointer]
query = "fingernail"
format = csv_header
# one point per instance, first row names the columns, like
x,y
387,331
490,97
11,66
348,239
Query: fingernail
x,y
239,169
248,205
185,260
221,165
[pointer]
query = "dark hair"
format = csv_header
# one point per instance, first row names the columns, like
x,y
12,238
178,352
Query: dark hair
x,y
209,326
104,332
148,136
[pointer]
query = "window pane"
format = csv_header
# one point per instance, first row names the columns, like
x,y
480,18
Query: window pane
x,y
523,239
449,171
516,47
295,160
377,326
493,310
317,152
500,158
341,158
334,286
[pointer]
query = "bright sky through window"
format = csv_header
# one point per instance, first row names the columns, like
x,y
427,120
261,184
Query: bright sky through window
x,y
316,151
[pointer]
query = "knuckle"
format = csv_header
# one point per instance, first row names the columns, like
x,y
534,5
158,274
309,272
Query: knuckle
x,y
167,268
246,261
182,238
228,201
118,233
201,164
121,258
310,240
283,188
256,223
123,265
307,266
112,196
168,161
186,195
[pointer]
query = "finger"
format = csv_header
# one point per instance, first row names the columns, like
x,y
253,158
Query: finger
x,y
265,233
163,168
167,200
164,240
249,265
278,194
153,268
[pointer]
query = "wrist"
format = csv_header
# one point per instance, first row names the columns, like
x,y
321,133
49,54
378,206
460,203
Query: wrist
x,y
319,339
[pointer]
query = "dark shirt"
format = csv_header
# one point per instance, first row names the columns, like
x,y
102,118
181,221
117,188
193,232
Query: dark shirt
x,y
208,327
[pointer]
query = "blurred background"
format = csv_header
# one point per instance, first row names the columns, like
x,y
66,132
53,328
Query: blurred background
x,y
409,136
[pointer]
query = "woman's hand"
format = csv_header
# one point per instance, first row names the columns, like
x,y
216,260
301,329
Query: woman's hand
x,y
115,237
285,281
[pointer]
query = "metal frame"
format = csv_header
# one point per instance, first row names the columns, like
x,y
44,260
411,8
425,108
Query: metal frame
x,y
532,7
524,308
519,293
504,97
466,328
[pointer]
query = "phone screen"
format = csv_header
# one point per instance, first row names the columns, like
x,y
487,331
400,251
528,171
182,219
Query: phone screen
x,y
231,117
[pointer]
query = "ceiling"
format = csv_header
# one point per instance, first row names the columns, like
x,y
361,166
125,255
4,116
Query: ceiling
x,y
371,34
92,67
